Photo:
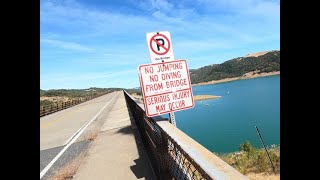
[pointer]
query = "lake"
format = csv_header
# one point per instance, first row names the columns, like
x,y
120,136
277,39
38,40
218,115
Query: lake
x,y
222,124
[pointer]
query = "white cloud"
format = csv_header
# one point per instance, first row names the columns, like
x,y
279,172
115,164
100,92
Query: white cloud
x,y
161,4
83,77
166,18
155,5
90,22
197,45
66,45
114,38
262,8
81,22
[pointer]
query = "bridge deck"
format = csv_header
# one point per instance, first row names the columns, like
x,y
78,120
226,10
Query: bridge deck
x,y
117,152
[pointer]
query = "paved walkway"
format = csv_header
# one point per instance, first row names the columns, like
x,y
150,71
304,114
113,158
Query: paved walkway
x,y
117,152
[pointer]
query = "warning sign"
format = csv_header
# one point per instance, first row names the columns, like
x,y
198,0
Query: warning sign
x,y
166,87
160,47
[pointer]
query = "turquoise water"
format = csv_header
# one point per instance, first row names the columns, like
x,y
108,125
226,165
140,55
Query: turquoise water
x,y
222,124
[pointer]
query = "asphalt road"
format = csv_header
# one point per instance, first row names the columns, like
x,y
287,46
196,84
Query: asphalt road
x,y
59,128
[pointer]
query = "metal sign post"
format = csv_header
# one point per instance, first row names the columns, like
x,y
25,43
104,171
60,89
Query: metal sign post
x,y
265,149
172,119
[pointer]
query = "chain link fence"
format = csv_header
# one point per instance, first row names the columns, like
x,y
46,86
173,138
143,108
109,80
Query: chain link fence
x,y
168,159
45,110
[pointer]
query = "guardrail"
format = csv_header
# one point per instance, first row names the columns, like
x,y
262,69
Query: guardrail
x,y
45,110
172,153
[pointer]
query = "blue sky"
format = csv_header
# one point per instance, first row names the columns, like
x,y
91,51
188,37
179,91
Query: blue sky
x,y
101,43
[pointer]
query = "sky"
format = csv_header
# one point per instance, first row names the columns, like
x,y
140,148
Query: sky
x,y
101,43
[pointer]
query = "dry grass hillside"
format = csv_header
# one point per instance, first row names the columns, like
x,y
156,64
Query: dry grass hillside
x,y
257,54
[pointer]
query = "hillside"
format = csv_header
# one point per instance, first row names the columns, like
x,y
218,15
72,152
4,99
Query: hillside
x,y
71,93
237,67
54,96
256,54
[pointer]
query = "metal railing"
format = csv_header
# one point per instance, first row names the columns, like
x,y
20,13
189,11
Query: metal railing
x,y
45,110
167,156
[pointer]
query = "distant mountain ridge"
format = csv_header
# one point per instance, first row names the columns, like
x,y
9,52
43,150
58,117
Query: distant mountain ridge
x,y
260,62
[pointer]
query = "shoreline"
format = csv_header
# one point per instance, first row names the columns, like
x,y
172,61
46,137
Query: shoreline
x,y
249,75
204,97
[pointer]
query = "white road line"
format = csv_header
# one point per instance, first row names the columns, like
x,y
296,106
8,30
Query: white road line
x,y
74,134
44,171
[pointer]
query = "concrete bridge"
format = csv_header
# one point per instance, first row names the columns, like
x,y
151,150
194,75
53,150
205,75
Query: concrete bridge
x,y
111,138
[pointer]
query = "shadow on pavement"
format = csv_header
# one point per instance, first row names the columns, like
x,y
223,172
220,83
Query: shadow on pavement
x,y
142,167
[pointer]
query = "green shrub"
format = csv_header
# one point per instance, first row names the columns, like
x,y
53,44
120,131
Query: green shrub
x,y
247,147
251,159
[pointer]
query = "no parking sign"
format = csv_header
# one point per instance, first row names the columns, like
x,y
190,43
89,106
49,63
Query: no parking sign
x,y
160,46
